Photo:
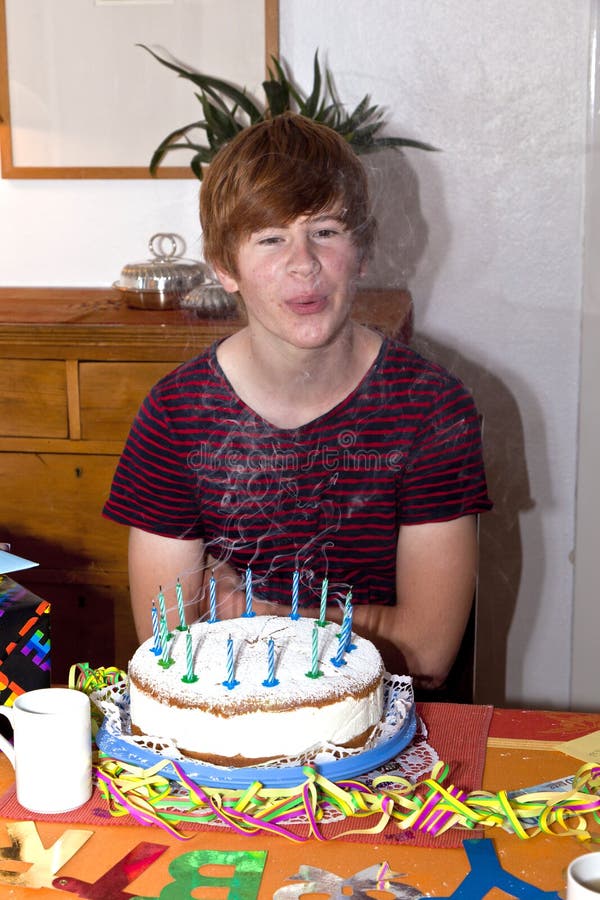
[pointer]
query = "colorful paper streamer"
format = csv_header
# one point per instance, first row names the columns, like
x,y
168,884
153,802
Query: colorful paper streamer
x,y
428,806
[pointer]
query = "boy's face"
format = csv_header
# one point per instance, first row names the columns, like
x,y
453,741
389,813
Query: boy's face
x,y
298,280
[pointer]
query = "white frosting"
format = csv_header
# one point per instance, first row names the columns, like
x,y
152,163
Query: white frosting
x,y
251,720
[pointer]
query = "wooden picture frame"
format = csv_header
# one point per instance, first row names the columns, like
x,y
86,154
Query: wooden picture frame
x,y
79,60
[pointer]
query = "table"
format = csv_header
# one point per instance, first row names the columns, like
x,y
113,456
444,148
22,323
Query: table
x,y
519,754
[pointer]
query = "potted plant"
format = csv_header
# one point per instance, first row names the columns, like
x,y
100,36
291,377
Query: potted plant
x,y
227,110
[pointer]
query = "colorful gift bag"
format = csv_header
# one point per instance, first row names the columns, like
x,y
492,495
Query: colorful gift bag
x,y
24,641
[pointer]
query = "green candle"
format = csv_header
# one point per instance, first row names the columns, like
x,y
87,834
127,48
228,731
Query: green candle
x,y
315,672
179,594
189,677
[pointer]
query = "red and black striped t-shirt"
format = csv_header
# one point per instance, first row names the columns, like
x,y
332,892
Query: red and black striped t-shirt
x,y
328,497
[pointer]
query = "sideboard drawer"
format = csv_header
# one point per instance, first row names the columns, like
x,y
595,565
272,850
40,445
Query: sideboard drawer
x,y
34,398
52,511
110,395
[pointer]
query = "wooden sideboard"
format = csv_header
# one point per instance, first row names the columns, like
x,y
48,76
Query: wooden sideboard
x,y
74,366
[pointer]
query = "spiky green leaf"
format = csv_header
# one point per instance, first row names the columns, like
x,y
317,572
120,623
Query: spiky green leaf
x,y
209,84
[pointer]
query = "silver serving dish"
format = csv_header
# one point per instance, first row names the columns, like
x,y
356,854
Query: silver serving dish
x,y
210,300
161,282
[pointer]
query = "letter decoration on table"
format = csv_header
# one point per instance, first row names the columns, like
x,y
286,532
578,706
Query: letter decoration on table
x,y
26,847
378,878
110,885
243,883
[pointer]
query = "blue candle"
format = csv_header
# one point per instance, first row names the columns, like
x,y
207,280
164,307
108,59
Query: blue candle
x,y
156,631
231,682
323,609
249,612
345,633
270,680
315,672
212,590
338,660
295,592
189,676
179,594
347,621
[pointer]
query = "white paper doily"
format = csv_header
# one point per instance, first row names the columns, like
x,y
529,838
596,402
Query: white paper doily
x,y
399,727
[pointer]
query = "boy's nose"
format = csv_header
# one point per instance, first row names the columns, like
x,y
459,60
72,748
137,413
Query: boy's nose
x,y
303,260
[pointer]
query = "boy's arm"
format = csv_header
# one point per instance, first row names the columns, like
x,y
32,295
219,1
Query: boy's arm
x,y
157,562
436,573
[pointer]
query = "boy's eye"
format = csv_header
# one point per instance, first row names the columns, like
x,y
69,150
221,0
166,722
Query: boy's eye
x,y
270,239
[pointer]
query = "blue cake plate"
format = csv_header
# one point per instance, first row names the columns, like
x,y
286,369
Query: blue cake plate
x,y
269,776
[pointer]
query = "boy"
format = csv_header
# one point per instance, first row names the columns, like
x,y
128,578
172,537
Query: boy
x,y
305,441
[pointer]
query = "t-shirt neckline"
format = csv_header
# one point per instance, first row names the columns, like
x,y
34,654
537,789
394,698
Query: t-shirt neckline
x,y
360,387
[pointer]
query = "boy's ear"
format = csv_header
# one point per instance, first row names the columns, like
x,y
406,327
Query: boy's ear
x,y
227,280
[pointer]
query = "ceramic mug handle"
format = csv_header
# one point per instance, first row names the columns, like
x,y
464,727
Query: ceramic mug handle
x,y
5,745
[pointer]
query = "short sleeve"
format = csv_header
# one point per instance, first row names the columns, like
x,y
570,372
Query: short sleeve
x,y
444,476
153,486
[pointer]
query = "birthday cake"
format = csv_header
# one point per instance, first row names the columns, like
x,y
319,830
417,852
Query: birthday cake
x,y
243,691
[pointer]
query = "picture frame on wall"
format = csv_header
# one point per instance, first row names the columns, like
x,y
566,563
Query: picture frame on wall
x,y
80,99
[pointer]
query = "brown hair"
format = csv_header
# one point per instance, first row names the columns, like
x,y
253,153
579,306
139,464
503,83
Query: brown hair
x,y
273,172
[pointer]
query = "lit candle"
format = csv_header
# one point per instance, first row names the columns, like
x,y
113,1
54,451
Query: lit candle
x,y
315,672
213,597
163,608
249,612
323,609
156,631
189,676
231,682
295,592
270,680
179,593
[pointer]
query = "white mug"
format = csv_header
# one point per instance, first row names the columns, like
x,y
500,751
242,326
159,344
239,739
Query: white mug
x,y
583,877
52,753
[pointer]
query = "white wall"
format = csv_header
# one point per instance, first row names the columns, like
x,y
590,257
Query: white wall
x,y
586,609
487,234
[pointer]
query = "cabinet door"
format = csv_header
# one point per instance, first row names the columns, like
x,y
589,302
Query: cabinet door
x,y
34,398
52,512
110,394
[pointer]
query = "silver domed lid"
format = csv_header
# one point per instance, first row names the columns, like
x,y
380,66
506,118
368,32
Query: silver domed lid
x,y
167,271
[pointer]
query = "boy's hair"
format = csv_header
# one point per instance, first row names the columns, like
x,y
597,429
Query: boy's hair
x,y
275,171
